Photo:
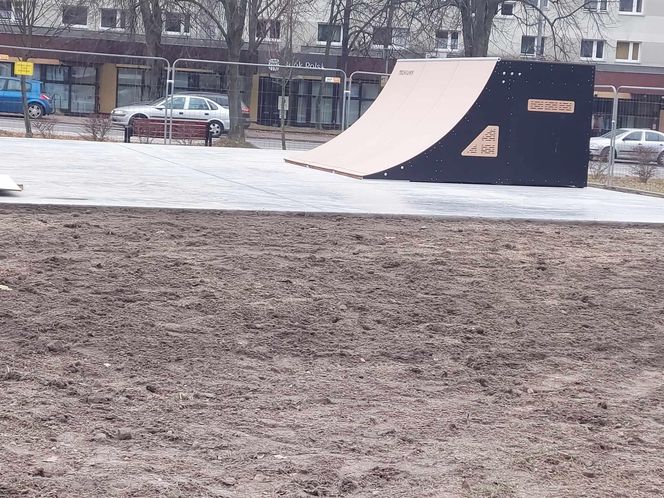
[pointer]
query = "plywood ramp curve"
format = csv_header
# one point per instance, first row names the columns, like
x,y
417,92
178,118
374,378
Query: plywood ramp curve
x,y
422,102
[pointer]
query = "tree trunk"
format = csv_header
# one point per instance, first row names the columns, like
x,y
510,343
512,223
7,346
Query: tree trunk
x,y
282,114
153,23
477,20
236,131
326,56
26,116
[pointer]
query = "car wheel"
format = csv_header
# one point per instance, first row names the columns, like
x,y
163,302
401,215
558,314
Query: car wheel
x,y
35,111
604,155
216,129
136,116
660,159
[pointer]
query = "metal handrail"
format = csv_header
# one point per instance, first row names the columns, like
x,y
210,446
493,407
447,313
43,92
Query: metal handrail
x,y
103,54
249,64
350,86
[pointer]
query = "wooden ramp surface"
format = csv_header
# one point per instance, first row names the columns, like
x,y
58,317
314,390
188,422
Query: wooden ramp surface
x,y
423,101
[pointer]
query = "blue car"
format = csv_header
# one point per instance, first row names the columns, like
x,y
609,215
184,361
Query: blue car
x,y
39,104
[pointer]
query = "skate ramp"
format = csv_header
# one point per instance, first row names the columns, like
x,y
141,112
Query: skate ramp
x,y
477,120
7,184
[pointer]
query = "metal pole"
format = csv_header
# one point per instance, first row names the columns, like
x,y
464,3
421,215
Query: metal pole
x,y
612,147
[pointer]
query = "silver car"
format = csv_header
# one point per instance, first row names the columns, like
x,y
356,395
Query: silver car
x,y
184,107
631,143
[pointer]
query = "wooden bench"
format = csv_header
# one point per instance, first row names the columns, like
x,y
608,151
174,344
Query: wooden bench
x,y
182,129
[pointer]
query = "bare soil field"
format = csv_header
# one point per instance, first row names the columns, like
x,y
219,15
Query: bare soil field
x,y
169,353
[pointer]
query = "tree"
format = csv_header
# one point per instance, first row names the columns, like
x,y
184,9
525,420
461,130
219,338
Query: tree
x,y
28,19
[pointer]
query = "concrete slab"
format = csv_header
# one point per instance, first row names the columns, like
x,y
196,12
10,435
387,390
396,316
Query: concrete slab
x,y
112,174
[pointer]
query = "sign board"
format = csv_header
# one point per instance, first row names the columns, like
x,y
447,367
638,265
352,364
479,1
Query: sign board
x,y
332,79
273,64
282,105
23,68
4,57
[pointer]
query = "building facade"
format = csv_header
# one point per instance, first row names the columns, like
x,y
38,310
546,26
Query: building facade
x,y
623,38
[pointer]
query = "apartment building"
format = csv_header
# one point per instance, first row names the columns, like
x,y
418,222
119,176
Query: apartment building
x,y
623,38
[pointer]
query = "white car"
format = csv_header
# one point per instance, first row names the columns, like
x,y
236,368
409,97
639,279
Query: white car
x,y
631,143
193,107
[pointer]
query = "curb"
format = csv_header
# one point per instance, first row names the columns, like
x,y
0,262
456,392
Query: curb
x,y
627,190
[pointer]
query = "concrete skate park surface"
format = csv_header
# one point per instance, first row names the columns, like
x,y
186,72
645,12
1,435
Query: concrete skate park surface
x,y
137,175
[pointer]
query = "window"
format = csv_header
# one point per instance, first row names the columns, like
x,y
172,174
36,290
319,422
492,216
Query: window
x,y
268,29
113,18
528,45
383,36
628,51
176,22
447,40
74,16
177,103
541,4
592,49
652,136
596,5
506,9
329,32
631,6
5,9
15,86
633,137
197,104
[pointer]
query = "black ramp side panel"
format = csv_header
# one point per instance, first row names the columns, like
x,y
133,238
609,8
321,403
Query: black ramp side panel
x,y
534,148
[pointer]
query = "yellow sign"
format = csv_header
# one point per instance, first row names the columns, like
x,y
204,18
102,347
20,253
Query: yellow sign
x,y
23,68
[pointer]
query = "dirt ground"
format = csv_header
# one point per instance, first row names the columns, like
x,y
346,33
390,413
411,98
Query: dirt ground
x,y
169,353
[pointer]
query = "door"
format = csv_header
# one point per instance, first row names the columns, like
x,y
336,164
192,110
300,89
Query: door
x,y
654,145
3,104
159,110
628,146
197,108
12,101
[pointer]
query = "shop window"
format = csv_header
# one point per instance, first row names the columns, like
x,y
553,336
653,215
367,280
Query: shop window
x,y
113,18
628,51
329,32
268,29
75,16
447,40
631,6
592,50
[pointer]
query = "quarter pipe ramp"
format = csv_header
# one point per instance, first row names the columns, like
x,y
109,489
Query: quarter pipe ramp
x,y
479,120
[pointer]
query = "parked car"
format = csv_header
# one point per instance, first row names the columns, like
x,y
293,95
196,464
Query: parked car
x,y
39,104
630,143
222,100
185,106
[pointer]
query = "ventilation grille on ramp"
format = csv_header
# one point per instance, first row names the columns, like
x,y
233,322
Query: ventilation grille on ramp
x,y
485,145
